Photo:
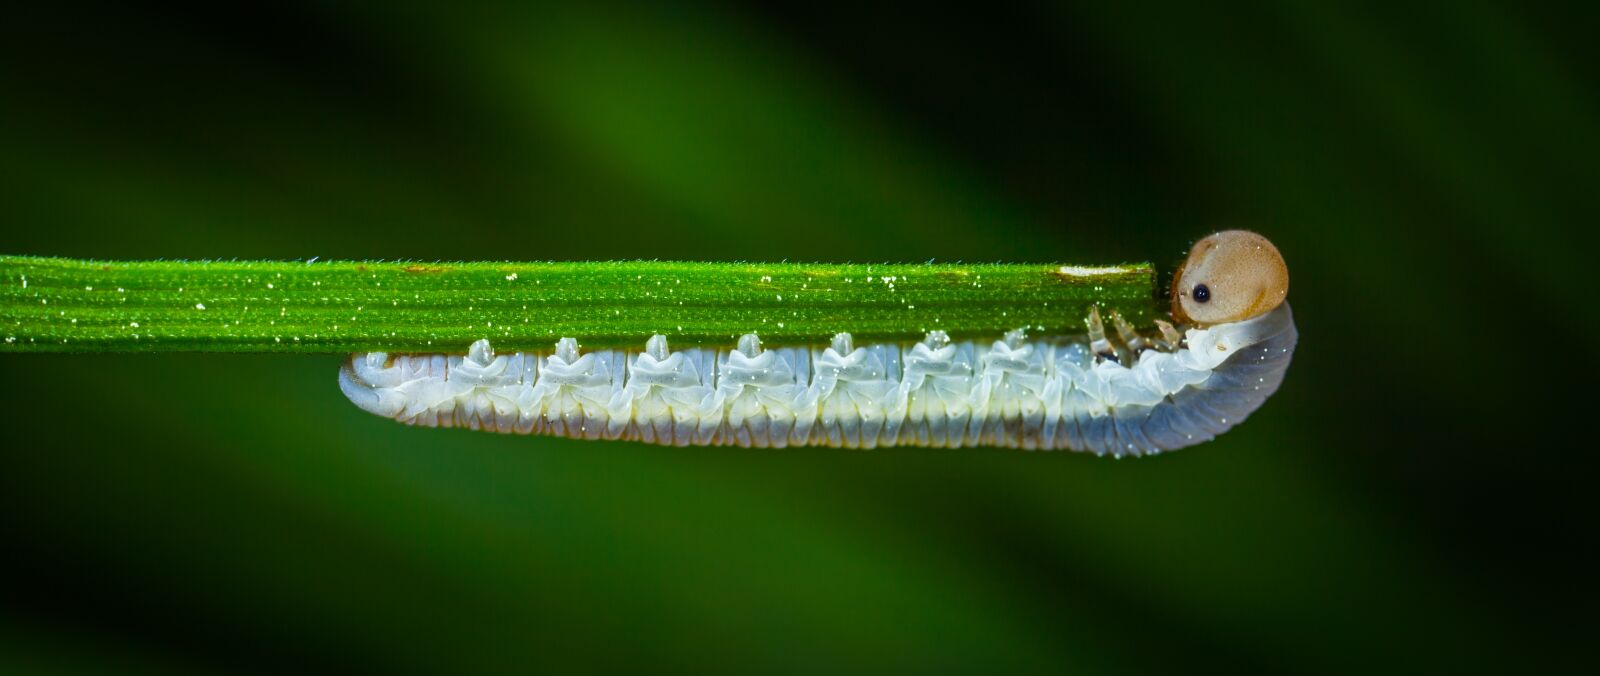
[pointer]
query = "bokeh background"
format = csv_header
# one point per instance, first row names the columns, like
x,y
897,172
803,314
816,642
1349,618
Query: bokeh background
x,y
1407,502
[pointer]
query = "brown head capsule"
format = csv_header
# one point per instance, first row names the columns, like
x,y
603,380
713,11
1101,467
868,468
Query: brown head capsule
x,y
1231,276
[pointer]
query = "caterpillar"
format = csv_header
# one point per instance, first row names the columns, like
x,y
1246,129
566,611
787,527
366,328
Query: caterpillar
x,y
1118,392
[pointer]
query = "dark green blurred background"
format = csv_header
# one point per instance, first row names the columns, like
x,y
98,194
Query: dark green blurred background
x,y
1407,501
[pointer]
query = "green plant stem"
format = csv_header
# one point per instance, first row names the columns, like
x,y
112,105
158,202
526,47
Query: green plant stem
x,y
66,305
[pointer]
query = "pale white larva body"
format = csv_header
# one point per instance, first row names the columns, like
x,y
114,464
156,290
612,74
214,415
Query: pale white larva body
x,y
1013,392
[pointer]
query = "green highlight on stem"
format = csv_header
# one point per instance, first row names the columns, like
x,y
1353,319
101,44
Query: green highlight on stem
x,y
67,305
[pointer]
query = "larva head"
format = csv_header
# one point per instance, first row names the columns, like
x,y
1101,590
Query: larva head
x,y
1231,276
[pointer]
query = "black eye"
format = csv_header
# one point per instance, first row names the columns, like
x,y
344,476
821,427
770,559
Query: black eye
x,y
1201,293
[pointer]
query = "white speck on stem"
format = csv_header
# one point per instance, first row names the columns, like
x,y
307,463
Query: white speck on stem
x,y
1086,271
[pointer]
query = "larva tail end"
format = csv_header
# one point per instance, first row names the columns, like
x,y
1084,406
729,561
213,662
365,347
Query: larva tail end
x,y
359,390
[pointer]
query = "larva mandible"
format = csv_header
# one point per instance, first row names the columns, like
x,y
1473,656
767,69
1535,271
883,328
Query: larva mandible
x,y
1119,393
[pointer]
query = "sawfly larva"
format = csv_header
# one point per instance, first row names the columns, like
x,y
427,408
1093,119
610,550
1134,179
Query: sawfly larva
x,y
1116,392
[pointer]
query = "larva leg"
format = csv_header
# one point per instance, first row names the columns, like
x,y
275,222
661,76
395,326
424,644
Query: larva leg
x,y
1130,337
1098,344
1170,340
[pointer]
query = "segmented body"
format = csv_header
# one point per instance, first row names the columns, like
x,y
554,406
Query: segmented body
x,y
1013,392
